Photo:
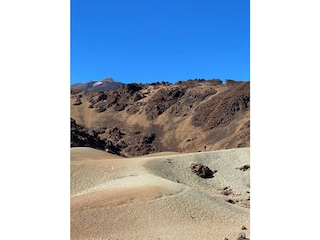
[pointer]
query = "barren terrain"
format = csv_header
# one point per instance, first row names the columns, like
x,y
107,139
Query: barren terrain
x,y
139,119
157,196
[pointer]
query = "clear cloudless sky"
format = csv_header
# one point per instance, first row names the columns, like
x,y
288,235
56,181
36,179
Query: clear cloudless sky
x,y
147,41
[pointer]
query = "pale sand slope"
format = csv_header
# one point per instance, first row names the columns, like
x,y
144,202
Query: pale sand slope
x,y
158,197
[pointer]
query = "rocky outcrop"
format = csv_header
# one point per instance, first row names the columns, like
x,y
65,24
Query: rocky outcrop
x,y
118,98
113,140
83,137
201,170
162,100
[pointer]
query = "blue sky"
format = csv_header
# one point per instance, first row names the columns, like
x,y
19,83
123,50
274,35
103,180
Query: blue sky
x,y
147,41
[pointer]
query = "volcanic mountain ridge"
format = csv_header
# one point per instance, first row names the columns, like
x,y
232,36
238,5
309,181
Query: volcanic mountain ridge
x,y
138,119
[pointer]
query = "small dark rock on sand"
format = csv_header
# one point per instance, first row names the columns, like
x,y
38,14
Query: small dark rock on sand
x,y
242,236
243,227
244,167
231,201
226,191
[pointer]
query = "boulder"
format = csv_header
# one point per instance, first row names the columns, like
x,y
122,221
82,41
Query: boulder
x,y
201,170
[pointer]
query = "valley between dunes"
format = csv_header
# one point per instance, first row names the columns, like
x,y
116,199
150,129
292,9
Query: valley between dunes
x,y
158,197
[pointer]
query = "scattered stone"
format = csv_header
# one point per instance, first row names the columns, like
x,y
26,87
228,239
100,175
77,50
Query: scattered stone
x,y
201,170
243,227
244,167
226,191
241,236
230,201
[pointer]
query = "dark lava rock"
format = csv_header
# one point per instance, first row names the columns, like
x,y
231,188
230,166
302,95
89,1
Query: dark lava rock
x,y
83,137
201,170
245,167
242,236
149,138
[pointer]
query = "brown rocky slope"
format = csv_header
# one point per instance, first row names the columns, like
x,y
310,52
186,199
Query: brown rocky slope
x,y
138,119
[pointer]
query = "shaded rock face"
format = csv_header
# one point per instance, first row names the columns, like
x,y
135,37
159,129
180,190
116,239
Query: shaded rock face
x,y
149,138
112,140
201,170
139,149
83,137
133,145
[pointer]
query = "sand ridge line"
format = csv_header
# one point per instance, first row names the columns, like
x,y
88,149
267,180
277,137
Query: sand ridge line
x,y
115,196
133,180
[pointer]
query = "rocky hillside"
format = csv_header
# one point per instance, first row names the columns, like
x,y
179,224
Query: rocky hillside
x,y
84,137
137,119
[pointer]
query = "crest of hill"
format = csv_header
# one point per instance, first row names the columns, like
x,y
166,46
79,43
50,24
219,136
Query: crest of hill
x,y
138,119
103,85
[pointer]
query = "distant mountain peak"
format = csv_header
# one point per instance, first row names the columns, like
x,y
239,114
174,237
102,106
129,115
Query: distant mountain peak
x,y
103,85
108,80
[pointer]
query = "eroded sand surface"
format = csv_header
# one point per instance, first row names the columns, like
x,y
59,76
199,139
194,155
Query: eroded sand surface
x,y
158,197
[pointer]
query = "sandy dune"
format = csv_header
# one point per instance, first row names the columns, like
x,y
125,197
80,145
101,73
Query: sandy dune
x,y
158,197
